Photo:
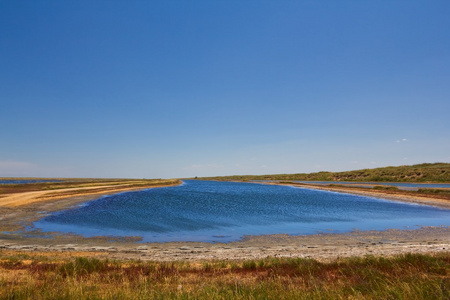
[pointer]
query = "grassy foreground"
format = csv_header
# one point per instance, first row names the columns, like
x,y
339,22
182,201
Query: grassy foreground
x,y
40,276
436,172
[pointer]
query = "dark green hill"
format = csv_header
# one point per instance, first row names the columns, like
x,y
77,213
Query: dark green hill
x,y
427,172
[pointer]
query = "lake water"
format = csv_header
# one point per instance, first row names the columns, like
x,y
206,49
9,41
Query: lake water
x,y
225,211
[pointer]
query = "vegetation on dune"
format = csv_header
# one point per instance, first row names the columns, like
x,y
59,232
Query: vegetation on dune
x,y
410,276
427,172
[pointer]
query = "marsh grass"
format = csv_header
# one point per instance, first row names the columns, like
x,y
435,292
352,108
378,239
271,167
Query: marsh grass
x,y
442,192
410,276
385,188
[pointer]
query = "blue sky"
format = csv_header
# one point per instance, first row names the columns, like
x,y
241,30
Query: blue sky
x,y
162,89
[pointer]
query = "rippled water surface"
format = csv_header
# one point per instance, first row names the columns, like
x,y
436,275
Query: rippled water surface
x,y
225,211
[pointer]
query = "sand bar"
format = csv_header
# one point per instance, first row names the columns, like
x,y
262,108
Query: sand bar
x,y
26,198
400,195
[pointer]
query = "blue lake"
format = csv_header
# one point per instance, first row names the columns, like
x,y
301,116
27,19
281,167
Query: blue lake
x,y
226,211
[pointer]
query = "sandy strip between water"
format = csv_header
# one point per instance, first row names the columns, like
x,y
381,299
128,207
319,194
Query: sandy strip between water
x,y
324,247
401,196
27,198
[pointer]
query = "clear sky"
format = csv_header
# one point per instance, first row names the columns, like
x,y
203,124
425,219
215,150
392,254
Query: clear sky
x,y
163,89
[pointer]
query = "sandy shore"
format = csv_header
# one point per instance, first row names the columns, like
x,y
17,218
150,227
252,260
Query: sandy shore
x,y
27,198
324,247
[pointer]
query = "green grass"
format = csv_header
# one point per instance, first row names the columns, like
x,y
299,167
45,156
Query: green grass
x,y
410,276
427,172
385,188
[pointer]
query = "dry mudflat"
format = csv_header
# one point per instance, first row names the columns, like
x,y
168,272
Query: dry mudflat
x,y
19,210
